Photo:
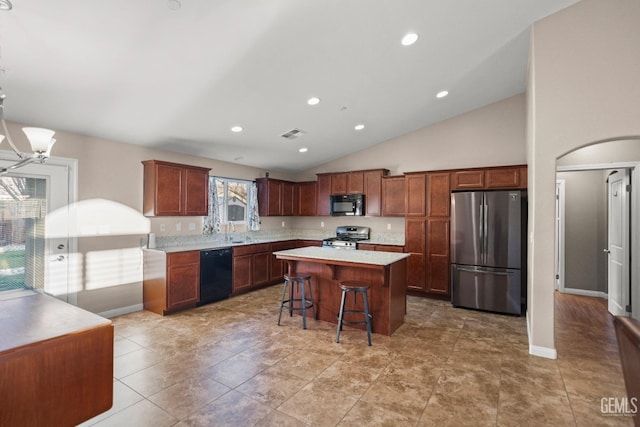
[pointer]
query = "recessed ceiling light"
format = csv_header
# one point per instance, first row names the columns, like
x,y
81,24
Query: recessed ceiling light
x,y
174,4
303,150
442,94
313,101
236,129
359,127
409,39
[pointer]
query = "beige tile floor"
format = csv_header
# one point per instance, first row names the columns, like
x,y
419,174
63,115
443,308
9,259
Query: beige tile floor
x,y
229,364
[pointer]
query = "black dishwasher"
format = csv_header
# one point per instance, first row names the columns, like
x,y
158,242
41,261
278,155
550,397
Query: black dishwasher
x,y
215,275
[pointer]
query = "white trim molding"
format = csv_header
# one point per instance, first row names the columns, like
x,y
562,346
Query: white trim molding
x,y
585,292
536,350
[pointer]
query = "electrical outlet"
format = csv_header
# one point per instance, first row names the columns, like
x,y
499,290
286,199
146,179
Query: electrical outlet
x,y
163,228
178,226
322,224
192,226
388,226
283,223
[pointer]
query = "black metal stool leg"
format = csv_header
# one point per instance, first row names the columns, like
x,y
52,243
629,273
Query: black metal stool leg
x,y
282,301
304,306
367,315
313,304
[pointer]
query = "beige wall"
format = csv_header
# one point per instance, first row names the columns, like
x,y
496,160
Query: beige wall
x,y
582,88
493,135
109,269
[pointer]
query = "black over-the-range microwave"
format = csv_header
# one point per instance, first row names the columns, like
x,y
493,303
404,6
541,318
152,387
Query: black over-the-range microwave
x,y
346,204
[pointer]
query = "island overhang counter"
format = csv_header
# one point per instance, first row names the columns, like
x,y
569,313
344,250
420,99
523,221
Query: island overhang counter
x,y
386,272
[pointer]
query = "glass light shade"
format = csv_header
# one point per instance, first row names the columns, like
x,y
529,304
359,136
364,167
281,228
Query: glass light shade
x,y
40,139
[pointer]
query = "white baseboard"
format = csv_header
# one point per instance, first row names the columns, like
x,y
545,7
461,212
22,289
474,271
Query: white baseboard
x,y
122,310
586,293
549,353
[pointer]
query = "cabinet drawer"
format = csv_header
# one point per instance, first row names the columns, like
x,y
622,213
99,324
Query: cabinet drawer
x,y
190,257
251,249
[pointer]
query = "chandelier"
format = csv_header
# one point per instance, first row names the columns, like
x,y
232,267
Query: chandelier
x,y
41,141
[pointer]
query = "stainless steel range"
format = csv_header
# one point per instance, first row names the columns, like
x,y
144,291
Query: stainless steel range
x,y
347,237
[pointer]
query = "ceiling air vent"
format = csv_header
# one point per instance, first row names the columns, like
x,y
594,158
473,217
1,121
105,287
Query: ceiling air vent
x,y
292,134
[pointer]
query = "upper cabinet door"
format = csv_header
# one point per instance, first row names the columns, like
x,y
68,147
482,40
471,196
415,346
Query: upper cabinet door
x,y
467,180
506,177
438,200
416,187
339,183
323,192
356,183
393,195
172,189
169,195
197,192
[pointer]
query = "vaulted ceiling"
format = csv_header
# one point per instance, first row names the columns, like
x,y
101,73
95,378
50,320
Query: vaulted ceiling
x,y
178,75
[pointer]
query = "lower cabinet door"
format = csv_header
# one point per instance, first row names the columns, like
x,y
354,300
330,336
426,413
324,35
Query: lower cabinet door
x,y
242,267
261,269
183,286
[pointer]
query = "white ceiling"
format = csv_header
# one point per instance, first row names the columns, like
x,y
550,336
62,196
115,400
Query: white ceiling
x,y
140,73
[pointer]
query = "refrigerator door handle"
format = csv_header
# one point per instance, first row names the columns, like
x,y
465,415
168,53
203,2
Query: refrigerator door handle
x,y
481,232
475,270
485,226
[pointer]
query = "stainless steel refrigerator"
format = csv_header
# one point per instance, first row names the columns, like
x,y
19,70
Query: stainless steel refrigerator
x,y
488,255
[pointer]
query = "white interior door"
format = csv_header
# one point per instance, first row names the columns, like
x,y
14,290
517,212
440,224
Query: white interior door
x,y
618,242
46,261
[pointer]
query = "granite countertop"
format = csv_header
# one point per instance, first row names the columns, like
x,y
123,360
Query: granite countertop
x,y
214,245
199,246
344,255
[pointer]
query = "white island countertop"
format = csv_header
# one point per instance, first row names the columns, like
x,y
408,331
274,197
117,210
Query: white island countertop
x,y
343,255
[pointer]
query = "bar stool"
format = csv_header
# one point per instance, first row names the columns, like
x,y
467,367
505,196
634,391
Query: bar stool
x,y
297,281
357,287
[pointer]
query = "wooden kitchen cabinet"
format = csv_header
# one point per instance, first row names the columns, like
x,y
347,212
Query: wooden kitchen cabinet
x,y
380,247
172,189
242,273
171,281
415,189
251,266
506,177
373,199
305,194
438,195
437,261
393,196
415,245
356,182
275,197
467,180
427,223
495,178
323,193
269,196
278,266
339,183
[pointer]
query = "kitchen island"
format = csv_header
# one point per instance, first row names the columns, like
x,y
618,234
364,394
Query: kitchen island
x,y
384,271
56,361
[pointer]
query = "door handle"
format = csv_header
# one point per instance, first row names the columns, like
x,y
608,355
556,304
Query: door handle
x,y
58,258
496,273
606,251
